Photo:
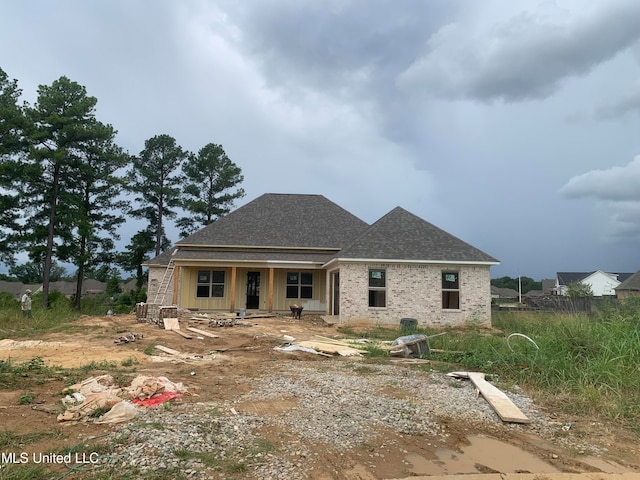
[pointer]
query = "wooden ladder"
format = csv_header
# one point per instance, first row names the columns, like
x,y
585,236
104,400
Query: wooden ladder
x,y
166,280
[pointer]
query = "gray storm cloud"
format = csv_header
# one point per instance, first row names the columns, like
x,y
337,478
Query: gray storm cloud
x,y
616,183
523,59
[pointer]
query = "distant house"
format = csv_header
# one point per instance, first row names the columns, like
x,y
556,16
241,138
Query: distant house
x,y
16,289
504,294
549,286
279,250
68,289
630,287
601,283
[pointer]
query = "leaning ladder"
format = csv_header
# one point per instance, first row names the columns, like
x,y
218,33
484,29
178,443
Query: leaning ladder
x,y
164,283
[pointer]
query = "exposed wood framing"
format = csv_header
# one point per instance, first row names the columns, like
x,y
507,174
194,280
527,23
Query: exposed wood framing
x,y
232,294
176,279
270,289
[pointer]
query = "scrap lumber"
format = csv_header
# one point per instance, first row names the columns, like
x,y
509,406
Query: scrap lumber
x,y
333,341
202,332
504,407
168,350
171,323
345,351
182,334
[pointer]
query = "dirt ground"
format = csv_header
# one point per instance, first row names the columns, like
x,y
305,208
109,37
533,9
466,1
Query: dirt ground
x,y
220,362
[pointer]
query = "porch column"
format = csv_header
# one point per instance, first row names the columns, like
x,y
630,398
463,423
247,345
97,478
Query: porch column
x,y
232,294
270,303
176,285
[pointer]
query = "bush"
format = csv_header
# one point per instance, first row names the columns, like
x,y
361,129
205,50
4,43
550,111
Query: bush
x,y
8,301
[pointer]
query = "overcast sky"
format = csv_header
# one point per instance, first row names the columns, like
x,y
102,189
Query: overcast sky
x,y
512,125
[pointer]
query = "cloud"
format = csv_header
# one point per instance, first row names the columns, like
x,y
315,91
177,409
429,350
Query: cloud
x,y
527,57
627,105
616,183
618,196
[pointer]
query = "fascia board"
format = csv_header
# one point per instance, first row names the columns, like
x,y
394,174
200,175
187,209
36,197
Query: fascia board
x,y
414,262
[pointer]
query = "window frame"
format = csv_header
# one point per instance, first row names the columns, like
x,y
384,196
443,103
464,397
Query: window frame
x,y
377,293
212,284
450,290
300,287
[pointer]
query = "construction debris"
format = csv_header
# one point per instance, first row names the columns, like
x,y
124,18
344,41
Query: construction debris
x,y
168,350
97,395
128,338
171,323
504,407
182,334
228,322
202,332
410,346
328,345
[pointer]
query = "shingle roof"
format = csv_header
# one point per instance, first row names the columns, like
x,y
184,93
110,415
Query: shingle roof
x,y
282,220
401,235
631,283
504,292
565,278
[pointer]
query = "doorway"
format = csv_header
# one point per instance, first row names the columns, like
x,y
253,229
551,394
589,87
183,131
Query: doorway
x,y
335,293
253,290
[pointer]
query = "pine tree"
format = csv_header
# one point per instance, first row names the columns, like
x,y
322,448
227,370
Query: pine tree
x,y
210,178
156,180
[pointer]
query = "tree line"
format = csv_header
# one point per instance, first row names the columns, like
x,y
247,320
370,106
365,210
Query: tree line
x,y
64,183
527,283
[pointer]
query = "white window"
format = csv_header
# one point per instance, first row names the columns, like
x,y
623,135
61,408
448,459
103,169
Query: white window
x,y
377,287
450,290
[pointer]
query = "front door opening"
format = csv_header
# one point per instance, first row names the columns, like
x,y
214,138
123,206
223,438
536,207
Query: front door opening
x,y
253,290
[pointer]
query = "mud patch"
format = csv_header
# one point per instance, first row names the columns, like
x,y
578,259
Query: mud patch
x,y
482,455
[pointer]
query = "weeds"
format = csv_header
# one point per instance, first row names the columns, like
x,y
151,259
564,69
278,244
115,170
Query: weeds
x,y
149,350
26,398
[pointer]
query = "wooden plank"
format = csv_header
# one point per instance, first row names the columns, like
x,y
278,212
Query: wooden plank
x,y
168,350
504,407
202,332
171,323
331,348
182,334
333,341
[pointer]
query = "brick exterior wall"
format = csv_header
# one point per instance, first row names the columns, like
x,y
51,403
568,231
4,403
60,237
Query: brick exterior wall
x,y
415,291
155,277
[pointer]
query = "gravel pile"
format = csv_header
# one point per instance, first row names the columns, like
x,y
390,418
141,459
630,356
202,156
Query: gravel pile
x,y
338,404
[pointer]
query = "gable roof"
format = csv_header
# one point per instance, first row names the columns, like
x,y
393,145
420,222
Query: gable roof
x,y
401,235
282,220
565,278
631,283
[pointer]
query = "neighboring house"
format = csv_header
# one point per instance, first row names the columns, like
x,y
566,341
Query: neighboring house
x,y
630,287
17,289
280,250
68,289
601,283
549,286
505,294
131,286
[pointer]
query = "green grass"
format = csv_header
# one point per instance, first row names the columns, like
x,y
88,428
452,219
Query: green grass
x,y
585,364
26,374
11,440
